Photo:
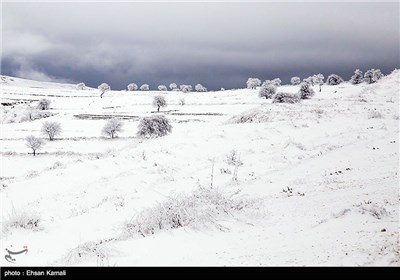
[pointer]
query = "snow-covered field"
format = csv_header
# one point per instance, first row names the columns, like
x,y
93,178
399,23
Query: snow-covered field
x,y
319,181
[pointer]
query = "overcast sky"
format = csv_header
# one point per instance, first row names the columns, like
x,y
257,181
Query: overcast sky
x,y
216,44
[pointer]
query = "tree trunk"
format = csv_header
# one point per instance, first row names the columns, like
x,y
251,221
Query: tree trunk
x,y
34,152
158,109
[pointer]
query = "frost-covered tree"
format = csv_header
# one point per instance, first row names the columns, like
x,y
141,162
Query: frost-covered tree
x,y
222,89
334,79
253,83
103,88
266,82
372,76
81,86
159,101
132,87
267,91
233,159
154,126
144,87
162,88
306,91
357,78
276,82
173,86
186,88
43,104
285,97
295,81
200,88
318,80
309,80
112,127
51,129
34,143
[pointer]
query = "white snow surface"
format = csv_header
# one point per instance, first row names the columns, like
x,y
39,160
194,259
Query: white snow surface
x,y
338,153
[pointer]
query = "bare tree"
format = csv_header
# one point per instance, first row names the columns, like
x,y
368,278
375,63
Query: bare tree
x,y
51,129
233,159
113,126
34,143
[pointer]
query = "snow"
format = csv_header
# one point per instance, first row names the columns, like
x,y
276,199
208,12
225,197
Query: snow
x,y
325,171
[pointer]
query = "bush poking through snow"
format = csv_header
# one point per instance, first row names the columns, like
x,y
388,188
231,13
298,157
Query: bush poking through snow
x,y
159,101
132,87
295,81
182,101
267,91
154,126
334,79
285,97
306,91
203,207
51,129
43,104
112,127
375,115
34,143
21,220
233,159
103,88
144,87
87,251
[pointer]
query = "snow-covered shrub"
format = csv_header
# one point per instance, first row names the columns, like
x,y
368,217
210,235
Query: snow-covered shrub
x,y
253,83
233,159
159,101
182,101
285,97
306,91
295,81
132,87
88,251
103,88
154,126
43,104
144,87
112,127
203,207
276,82
357,78
162,88
372,76
34,143
334,79
81,86
200,88
309,80
21,219
51,129
173,86
267,91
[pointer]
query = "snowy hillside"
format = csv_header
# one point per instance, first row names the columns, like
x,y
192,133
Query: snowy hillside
x,y
317,183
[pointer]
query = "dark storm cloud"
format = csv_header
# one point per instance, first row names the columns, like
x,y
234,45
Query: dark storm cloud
x,y
216,44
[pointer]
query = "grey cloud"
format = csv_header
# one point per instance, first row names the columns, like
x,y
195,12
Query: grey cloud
x,y
216,44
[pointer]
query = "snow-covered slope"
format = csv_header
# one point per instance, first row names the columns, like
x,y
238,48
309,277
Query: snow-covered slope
x,y
324,174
